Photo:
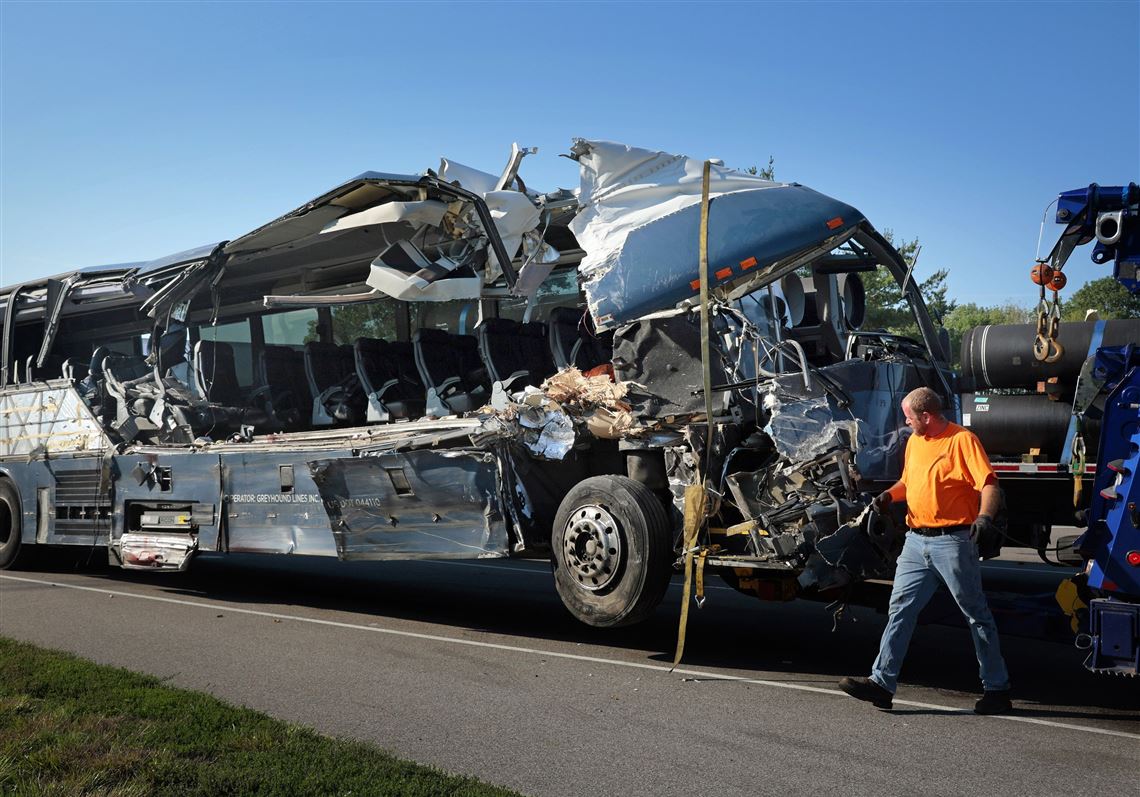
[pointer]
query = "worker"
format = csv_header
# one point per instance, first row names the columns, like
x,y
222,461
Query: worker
x,y
952,498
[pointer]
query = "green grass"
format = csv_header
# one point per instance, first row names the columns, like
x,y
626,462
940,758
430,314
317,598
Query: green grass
x,y
70,727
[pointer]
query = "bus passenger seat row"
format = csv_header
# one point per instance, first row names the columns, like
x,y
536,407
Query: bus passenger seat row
x,y
437,373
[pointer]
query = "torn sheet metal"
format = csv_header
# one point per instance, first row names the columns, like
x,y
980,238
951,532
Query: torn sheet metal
x,y
862,547
806,429
474,180
640,218
429,212
405,272
856,401
533,420
556,436
419,504
48,417
155,551
514,213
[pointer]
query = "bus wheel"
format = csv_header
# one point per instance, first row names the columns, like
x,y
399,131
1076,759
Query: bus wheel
x,y
613,551
9,525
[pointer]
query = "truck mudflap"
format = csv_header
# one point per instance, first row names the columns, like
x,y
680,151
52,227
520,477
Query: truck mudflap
x,y
414,505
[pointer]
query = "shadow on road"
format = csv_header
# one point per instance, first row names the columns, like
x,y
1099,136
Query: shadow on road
x,y
793,642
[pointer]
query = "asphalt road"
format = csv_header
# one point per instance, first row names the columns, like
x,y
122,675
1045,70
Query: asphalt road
x,y
476,668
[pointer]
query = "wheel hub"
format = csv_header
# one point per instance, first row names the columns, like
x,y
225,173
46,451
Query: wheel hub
x,y
592,547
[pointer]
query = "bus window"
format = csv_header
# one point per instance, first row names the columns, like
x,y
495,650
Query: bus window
x,y
128,346
458,317
559,290
292,328
236,334
372,320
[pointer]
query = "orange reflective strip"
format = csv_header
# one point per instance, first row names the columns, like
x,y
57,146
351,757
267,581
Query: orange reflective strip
x,y
695,285
836,222
749,263
724,273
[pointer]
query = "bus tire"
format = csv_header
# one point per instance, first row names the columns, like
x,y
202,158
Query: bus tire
x,y
10,527
612,544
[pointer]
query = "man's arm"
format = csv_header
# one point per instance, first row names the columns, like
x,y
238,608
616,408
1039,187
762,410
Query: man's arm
x,y
991,500
897,491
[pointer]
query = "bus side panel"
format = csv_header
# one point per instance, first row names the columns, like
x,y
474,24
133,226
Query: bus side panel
x,y
272,504
427,504
52,447
167,480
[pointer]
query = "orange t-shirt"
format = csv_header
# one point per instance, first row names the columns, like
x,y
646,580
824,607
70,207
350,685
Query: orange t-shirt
x,y
944,476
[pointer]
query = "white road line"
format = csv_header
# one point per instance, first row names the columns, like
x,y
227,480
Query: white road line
x,y
698,674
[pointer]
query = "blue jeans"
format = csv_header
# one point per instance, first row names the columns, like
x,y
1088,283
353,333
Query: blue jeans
x,y
924,561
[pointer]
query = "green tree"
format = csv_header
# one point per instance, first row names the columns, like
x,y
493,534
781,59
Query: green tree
x,y
352,321
1105,295
767,173
886,307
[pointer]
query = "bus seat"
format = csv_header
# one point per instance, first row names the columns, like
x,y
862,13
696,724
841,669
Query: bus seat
x,y
51,369
516,354
284,390
215,373
573,341
127,378
74,369
451,370
392,390
331,373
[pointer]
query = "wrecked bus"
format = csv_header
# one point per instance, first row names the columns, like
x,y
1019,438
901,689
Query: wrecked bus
x,y
455,365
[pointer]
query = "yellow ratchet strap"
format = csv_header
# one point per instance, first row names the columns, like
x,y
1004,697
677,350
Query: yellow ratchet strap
x,y
700,596
696,497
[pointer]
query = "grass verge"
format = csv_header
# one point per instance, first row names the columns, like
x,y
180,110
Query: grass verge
x,y
71,727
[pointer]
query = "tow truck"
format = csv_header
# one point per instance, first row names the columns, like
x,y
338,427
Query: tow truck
x,y
1104,599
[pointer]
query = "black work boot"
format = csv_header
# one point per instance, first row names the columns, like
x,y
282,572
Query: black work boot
x,y
868,690
995,702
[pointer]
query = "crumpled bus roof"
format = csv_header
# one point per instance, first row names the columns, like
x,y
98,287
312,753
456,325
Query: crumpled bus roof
x,y
640,219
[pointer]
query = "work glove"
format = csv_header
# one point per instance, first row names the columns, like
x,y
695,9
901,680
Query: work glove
x,y
987,536
882,502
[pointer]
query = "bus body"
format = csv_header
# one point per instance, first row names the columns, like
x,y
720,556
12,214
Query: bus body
x,y
451,365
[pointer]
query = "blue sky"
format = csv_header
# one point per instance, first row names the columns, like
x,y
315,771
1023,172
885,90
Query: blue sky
x,y
132,130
